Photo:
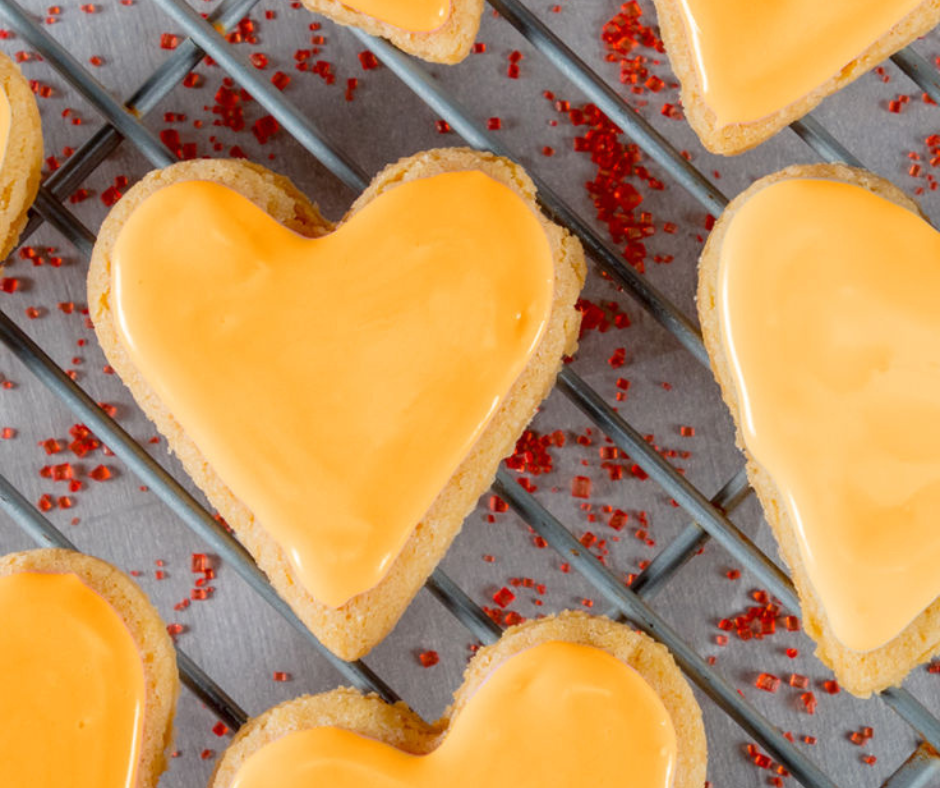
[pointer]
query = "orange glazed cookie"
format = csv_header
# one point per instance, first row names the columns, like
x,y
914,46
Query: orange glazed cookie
x,y
342,394
749,69
817,298
20,154
570,700
441,31
88,675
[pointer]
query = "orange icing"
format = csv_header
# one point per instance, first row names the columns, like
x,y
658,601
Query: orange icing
x,y
756,57
416,16
6,119
335,384
828,308
555,715
71,686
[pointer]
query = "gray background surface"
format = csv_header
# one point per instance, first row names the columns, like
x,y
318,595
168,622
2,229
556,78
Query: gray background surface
x,y
234,635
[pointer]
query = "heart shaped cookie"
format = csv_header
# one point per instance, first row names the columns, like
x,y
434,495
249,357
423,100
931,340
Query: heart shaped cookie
x,y
439,31
817,297
20,153
342,395
749,69
572,700
86,664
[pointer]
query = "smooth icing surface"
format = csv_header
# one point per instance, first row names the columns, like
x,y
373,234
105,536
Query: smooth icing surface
x,y
335,384
71,687
556,715
6,119
416,16
828,301
755,58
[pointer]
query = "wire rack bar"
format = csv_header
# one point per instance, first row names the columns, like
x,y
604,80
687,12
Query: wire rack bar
x,y
921,770
827,147
919,70
45,534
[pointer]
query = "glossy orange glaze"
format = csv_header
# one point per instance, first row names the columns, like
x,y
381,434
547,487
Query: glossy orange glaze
x,y
416,16
756,58
71,687
335,384
557,715
828,307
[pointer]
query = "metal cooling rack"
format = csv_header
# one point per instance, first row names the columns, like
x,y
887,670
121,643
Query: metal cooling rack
x,y
709,515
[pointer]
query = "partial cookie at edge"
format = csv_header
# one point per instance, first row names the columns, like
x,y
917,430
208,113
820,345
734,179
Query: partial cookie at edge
x,y
398,726
860,674
161,679
738,138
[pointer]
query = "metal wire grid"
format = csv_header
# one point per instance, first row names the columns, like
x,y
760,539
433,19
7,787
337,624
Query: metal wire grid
x,y
710,516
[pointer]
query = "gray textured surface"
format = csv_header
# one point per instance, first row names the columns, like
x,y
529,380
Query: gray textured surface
x,y
234,635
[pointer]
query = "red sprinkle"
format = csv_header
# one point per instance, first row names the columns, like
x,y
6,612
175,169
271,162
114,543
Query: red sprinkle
x,y
504,597
428,659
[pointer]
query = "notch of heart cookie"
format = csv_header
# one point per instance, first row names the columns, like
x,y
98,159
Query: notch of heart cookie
x,y
87,664
562,701
826,356
517,318
747,70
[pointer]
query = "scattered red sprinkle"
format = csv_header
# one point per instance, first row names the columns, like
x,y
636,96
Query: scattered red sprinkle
x,y
581,487
767,682
504,597
798,681
428,659
100,473
280,80
809,702
220,728
832,687
280,675
368,61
